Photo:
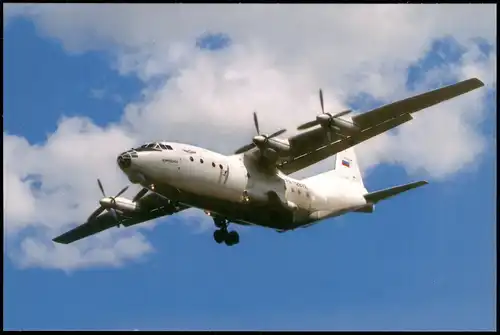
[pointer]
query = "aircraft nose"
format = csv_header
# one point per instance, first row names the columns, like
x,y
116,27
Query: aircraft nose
x,y
124,160
128,163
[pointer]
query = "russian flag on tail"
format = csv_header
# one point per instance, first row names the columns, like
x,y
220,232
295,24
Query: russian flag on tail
x,y
346,163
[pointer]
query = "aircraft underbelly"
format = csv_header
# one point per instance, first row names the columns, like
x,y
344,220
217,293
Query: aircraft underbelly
x,y
232,210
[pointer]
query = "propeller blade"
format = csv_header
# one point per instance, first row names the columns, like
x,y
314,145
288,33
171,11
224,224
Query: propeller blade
x,y
259,139
278,133
121,192
140,194
307,125
321,100
256,123
95,213
341,113
100,187
113,212
245,148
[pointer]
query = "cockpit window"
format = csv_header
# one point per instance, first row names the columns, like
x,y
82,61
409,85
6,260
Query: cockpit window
x,y
166,147
155,146
149,147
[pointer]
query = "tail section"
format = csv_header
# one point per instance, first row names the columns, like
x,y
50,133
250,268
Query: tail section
x,y
377,196
346,166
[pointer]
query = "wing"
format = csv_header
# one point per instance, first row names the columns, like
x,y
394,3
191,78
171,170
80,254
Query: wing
x,y
106,220
318,155
416,103
312,144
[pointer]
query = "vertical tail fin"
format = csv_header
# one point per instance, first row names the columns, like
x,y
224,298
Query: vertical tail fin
x,y
346,166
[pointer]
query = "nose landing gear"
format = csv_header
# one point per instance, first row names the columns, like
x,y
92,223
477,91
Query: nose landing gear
x,y
223,235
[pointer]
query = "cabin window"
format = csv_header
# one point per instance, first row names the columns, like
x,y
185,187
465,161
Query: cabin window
x,y
307,194
213,164
191,159
201,161
298,191
220,166
293,190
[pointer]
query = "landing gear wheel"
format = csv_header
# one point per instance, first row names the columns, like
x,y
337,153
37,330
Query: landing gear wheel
x,y
220,235
232,238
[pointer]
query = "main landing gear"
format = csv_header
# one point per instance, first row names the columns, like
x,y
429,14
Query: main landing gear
x,y
223,235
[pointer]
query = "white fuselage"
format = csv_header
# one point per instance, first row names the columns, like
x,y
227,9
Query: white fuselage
x,y
234,188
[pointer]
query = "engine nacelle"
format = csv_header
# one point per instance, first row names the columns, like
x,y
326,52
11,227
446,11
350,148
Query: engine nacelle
x,y
270,154
121,204
326,121
262,141
344,125
280,146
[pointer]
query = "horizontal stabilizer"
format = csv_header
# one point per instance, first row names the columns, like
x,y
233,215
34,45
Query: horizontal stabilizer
x,y
375,197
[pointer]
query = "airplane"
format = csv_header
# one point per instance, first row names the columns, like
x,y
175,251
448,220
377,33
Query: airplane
x,y
252,186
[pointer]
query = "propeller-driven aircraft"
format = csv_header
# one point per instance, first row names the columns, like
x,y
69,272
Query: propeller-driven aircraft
x,y
253,186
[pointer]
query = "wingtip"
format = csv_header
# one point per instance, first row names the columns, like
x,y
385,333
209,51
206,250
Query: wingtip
x,y
59,239
476,81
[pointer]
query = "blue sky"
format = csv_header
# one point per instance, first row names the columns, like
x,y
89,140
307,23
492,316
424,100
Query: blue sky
x,y
425,260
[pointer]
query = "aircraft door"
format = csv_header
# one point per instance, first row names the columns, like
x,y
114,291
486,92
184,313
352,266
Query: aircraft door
x,y
223,173
187,168
310,200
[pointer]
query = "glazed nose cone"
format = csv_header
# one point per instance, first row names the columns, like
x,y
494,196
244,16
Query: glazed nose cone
x,y
124,160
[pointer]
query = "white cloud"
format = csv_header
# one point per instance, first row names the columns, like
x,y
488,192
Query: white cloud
x,y
102,93
97,93
34,252
280,55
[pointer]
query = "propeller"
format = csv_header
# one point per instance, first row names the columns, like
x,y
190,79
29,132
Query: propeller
x,y
260,140
140,194
112,201
323,117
